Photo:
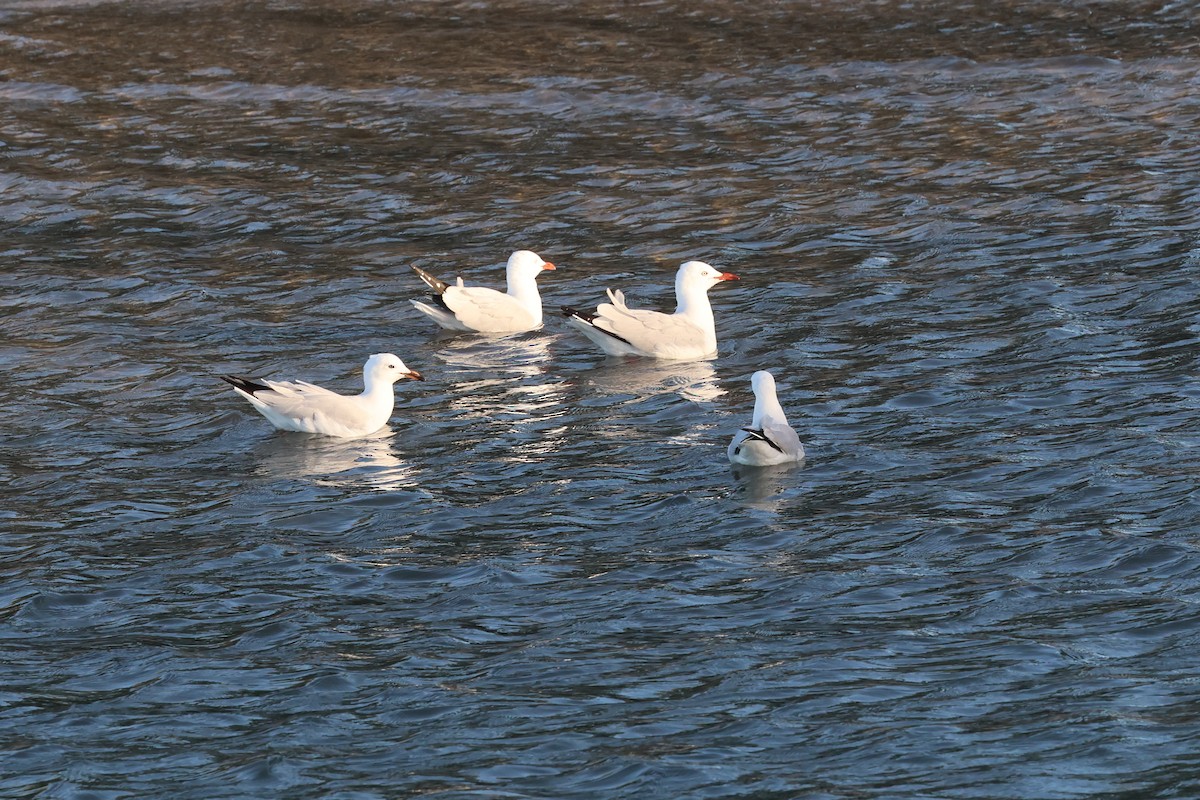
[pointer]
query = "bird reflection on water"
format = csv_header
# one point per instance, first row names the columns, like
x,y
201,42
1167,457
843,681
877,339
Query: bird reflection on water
x,y
369,462
642,378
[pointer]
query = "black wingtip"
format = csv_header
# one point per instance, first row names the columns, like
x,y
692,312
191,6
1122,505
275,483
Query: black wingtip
x,y
568,311
761,436
245,384
590,319
432,281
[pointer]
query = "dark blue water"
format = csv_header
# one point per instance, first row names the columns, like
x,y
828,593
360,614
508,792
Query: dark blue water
x,y
968,241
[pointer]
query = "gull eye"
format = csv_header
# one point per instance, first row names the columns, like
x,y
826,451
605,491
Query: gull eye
x,y
391,366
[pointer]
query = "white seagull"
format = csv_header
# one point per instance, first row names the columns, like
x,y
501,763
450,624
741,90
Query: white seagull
x,y
769,440
690,333
482,310
304,407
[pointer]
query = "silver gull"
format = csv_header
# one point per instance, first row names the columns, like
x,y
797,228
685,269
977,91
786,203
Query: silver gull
x,y
307,408
688,334
769,440
482,310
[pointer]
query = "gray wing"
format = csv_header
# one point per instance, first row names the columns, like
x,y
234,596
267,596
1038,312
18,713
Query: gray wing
x,y
779,436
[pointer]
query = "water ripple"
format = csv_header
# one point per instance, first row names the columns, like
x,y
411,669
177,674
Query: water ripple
x,y
967,252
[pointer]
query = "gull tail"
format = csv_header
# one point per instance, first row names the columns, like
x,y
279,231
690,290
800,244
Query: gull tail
x,y
618,299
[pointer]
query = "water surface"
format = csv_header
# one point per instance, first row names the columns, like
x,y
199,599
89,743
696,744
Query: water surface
x,y
967,236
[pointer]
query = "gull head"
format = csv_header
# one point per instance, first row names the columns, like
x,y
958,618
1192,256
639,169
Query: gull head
x,y
388,368
527,263
763,383
700,275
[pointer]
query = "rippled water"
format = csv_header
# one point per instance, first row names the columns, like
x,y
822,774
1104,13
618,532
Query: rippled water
x,y
967,235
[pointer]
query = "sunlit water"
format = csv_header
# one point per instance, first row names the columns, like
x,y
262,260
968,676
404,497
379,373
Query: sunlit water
x,y
967,236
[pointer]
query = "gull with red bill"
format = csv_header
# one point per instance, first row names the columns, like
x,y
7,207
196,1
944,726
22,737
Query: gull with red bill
x,y
481,310
688,334
306,408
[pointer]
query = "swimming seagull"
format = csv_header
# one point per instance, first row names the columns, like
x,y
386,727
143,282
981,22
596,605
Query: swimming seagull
x,y
475,308
769,440
304,407
689,333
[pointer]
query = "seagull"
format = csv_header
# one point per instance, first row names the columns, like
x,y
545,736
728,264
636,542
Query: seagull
x,y
769,440
304,407
482,310
688,334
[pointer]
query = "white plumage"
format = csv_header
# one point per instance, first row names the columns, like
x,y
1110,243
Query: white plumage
x,y
769,440
483,310
689,333
307,408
